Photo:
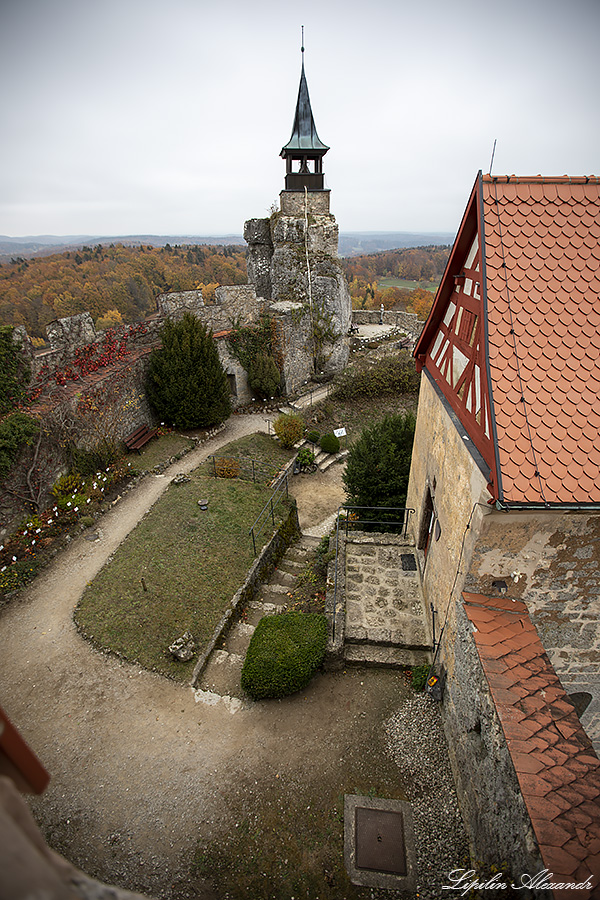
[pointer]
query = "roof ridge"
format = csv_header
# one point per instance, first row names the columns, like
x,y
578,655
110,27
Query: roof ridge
x,y
541,179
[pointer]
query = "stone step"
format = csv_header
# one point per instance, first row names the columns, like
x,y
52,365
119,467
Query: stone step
x,y
222,674
256,611
384,657
291,566
280,578
333,458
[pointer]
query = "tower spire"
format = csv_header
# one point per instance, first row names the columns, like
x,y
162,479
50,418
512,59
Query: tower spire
x,y
304,148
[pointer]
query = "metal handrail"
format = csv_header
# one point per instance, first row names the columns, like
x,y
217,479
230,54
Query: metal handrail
x,y
403,521
269,508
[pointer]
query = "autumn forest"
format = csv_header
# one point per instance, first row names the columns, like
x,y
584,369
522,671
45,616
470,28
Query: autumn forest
x,y
118,283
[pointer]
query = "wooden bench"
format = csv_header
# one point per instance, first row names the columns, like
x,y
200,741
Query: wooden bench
x,y
139,437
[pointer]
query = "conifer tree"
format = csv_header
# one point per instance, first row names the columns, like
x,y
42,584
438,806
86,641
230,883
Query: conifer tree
x,y
186,383
378,465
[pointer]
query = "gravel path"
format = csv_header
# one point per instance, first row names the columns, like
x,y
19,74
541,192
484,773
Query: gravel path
x,y
140,772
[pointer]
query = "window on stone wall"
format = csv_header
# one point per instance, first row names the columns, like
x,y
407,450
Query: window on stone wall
x,y
232,385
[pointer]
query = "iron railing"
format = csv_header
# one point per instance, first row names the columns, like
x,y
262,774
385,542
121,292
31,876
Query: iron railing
x,y
267,513
351,521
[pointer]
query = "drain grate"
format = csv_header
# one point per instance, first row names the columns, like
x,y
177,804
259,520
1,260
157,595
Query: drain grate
x,y
408,562
379,840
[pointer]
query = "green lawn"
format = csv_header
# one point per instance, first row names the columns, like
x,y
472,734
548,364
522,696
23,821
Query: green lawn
x,y
260,447
191,562
160,449
389,281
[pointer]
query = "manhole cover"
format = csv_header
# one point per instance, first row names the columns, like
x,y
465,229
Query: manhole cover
x,y
380,841
408,562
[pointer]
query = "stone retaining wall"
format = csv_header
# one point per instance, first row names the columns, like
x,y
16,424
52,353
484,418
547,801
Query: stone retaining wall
x,y
397,317
259,572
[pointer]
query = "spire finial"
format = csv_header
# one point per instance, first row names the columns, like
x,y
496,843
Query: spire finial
x,y
302,47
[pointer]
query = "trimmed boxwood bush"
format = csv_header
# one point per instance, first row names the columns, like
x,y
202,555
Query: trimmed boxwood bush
x,y
329,443
313,436
284,653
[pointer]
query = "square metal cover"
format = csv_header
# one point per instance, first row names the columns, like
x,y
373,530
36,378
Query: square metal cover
x,y
380,841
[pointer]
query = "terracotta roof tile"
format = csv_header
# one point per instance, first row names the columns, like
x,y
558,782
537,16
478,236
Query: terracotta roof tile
x,y
549,235
557,769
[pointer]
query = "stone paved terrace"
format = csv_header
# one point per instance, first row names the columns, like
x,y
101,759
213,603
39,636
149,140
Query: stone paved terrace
x,y
380,606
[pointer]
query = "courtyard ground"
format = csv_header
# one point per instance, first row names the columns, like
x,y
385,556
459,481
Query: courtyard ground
x,y
153,791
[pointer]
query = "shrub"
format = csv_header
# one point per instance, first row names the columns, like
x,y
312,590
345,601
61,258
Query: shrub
x,y
313,436
186,383
305,457
289,428
329,443
227,467
284,653
88,462
378,465
263,376
391,375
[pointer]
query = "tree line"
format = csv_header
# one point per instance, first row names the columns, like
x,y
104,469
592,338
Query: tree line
x,y
115,283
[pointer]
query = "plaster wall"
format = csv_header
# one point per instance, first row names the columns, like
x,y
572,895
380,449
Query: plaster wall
x,y
550,559
443,465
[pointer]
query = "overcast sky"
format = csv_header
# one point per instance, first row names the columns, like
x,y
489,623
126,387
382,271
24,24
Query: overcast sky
x,y
154,117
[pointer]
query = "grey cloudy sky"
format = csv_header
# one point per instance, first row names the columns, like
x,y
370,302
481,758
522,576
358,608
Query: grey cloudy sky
x,y
145,116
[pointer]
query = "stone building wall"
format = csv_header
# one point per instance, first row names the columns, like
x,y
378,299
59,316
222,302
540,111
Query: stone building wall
x,y
492,805
444,470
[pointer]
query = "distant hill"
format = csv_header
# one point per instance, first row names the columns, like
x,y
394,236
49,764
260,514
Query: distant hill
x,y
352,243
360,243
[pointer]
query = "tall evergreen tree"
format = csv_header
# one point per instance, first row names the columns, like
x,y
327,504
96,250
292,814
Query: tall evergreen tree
x,y
186,383
378,465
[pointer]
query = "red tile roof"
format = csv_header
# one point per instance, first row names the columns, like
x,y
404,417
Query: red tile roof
x,y
542,256
556,766
528,389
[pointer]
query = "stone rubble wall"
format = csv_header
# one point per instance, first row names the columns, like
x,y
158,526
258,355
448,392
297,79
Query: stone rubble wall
x,y
396,317
491,802
278,269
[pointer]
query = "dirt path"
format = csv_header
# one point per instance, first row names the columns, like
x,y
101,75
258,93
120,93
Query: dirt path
x,y
139,771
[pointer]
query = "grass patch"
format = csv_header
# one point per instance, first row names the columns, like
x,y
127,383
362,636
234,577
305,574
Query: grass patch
x,y
161,449
191,562
256,446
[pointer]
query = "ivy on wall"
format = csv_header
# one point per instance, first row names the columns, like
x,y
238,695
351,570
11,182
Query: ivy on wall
x,y
16,430
14,371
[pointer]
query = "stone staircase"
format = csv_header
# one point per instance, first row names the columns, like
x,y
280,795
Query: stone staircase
x,y
384,616
220,679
